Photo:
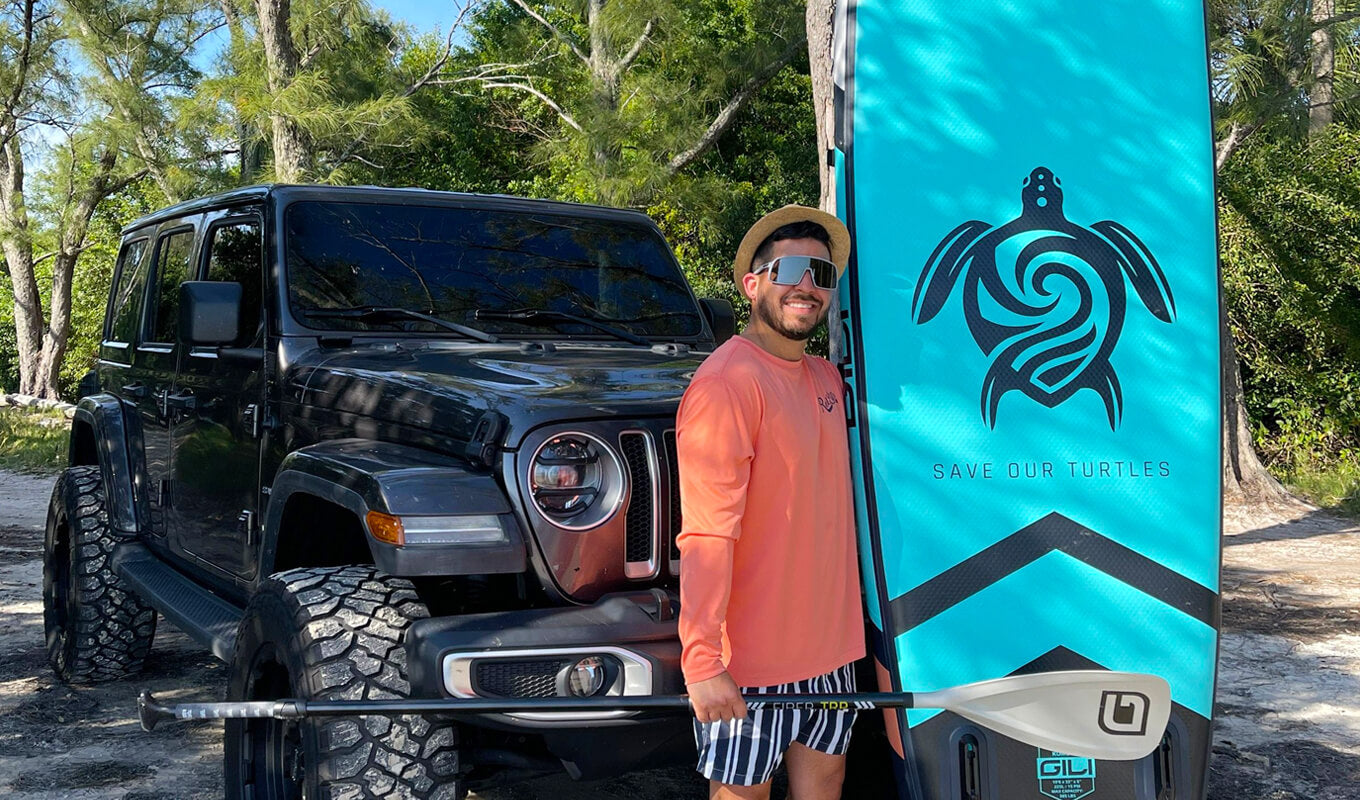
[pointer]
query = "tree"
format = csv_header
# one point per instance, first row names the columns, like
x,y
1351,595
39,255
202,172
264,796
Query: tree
x,y
86,169
1290,218
1274,68
820,19
320,78
627,94
472,144
1277,64
138,52
1323,58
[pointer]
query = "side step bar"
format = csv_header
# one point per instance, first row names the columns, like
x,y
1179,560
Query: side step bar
x,y
207,618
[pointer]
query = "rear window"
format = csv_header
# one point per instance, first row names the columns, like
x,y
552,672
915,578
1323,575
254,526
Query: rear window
x,y
125,307
450,262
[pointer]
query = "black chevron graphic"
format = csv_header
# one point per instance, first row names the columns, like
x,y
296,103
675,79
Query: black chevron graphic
x,y
1055,660
1034,541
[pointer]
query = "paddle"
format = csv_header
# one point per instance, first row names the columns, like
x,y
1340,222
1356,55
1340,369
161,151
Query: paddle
x,y
1116,716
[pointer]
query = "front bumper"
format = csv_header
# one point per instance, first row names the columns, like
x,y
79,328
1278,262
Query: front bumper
x,y
635,632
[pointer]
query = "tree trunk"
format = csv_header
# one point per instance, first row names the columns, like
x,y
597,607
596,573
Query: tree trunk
x,y
18,250
1323,57
291,151
1246,481
820,18
246,134
75,225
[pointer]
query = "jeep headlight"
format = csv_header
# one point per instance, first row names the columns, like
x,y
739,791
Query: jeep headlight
x,y
576,481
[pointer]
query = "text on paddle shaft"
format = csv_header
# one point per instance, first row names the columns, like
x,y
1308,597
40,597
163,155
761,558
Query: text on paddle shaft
x,y
988,470
825,705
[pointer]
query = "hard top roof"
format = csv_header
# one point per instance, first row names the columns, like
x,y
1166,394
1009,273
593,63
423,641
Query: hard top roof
x,y
286,192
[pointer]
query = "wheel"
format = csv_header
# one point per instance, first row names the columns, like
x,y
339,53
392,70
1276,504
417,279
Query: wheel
x,y
97,629
333,633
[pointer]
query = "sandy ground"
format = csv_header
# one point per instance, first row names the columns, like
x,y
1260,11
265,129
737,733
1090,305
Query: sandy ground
x,y
1288,721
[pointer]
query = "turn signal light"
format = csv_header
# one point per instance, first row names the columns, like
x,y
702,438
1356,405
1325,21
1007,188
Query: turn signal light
x,y
386,528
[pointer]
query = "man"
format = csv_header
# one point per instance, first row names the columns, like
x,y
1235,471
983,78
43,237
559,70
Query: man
x,y
770,593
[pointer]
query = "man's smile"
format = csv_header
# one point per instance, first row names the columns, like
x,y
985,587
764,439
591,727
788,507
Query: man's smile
x,y
803,305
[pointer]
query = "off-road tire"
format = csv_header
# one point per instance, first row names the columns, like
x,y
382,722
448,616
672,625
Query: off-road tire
x,y
333,633
96,628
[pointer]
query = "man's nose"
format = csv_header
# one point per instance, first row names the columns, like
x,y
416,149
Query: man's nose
x,y
805,283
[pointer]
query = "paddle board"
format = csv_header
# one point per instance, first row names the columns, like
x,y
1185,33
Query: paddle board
x,y
1031,335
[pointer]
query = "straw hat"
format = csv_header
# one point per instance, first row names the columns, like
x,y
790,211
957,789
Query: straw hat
x,y
768,224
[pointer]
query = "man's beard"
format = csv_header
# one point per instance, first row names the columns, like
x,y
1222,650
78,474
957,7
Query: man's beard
x,y
769,308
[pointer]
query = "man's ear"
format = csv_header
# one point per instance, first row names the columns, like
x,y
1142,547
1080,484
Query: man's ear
x,y
749,282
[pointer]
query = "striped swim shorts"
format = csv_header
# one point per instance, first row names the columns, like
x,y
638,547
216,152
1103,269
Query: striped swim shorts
x,y
745,752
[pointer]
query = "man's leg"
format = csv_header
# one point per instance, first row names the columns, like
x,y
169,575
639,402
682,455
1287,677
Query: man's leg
x,y
813,775
816,758
723,791
746,751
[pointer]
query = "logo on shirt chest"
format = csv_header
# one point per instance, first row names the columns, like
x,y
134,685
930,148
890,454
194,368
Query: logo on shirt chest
x,y
828,402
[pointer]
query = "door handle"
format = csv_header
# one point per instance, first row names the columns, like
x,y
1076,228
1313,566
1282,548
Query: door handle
x,y
135,390
181,402
174,402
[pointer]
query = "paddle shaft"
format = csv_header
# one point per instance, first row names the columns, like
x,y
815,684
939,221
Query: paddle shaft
x,y
1089,713
297,709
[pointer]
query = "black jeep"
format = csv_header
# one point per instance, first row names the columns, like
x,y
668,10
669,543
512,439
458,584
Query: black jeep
x,y
375,443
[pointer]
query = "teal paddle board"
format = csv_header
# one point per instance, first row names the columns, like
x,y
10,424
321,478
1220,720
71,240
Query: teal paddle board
x,y
1031,334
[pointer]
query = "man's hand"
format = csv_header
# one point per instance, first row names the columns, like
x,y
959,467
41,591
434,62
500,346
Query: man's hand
x,y
717,698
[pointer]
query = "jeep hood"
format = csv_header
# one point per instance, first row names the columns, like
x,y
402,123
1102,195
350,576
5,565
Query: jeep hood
x,y
446,388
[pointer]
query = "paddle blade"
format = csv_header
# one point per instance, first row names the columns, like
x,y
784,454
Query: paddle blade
x,y
1115,716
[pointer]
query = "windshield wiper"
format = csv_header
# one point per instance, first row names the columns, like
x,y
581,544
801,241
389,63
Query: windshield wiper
x,y
363,313
535,316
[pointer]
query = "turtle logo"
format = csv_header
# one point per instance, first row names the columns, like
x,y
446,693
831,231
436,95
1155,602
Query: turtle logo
x,y
1050,323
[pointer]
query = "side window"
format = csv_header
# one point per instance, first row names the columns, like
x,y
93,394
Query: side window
x,y
234,255
125,305
172,269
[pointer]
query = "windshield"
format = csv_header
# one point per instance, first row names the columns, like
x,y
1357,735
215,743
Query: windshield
x,y
451,262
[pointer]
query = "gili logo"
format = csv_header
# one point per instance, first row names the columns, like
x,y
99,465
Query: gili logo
x,y
1124,713
1044,298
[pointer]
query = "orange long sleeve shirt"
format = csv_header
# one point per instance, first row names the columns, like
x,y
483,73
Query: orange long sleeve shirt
x,y
769,580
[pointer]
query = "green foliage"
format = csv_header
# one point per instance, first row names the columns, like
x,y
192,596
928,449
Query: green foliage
x,y
94,273
137,63
33,441
766,161
348,96
614,101
1261,57
1290,221
471,145
1336,488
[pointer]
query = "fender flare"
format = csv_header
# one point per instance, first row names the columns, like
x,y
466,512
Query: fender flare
x,y
361,476
103,413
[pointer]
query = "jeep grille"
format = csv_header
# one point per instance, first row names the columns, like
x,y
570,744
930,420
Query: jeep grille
x,y
673,478
649,534
638,547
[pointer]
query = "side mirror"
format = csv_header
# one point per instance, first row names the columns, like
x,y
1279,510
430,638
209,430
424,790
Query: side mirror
x,y
209,312
721,318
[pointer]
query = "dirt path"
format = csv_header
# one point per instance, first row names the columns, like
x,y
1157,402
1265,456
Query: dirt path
x,y
1288,721
1288,697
